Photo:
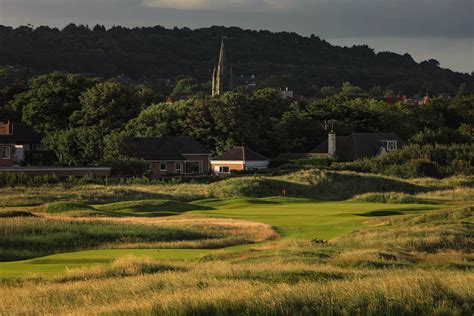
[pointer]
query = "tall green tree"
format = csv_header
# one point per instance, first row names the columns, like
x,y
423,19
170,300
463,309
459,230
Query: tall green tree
x,y
108,105
51,100
79,146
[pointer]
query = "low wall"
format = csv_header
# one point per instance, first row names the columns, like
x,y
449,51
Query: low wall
x,y
61,172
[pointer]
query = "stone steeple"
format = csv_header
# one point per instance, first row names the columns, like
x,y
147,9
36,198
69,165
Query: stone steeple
x,y
222,80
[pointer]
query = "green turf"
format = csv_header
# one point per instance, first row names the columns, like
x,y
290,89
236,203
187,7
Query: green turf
x,y
55,264
304,218
291,217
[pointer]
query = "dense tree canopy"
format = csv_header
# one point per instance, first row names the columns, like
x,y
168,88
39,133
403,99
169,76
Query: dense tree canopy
x,y
157,54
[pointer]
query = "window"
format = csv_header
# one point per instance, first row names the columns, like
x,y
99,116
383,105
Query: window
x,y
177,167
193,167
163,166
391,145
6,152
224,169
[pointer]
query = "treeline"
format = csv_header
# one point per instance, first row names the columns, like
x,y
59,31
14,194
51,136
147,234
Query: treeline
x,y
86,120
156,54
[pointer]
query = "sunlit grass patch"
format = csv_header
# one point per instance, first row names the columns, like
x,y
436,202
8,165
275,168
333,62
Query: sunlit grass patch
x,y
122,267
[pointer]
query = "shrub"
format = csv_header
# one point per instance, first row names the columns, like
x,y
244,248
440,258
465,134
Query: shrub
x,y
127,166
13,179
418,161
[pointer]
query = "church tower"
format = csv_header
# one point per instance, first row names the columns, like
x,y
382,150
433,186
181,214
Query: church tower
x,y
222,76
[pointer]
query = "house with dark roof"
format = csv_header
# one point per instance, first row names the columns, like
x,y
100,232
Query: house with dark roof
x,y
237,159
357,145
17,142
171,155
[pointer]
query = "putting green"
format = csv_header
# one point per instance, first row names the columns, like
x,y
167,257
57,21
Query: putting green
x,y
291,217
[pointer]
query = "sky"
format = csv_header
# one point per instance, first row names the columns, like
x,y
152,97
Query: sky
x,y
439,29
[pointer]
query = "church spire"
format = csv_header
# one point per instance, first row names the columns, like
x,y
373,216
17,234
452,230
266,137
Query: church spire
x,y
222,59
222,75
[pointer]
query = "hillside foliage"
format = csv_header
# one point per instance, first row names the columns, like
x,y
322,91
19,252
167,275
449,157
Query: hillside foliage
x,y
157,54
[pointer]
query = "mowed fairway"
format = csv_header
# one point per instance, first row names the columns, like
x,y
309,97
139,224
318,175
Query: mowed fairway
x,y
55,264
290,217
305,218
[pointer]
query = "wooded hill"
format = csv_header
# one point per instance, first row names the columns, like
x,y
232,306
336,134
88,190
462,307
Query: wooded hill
x,y
277,59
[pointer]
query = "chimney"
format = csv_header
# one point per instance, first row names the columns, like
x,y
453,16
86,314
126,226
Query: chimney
x,y
331,143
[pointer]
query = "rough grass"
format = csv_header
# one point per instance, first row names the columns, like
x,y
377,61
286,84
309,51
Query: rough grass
x,y
30,237
325,185
369,272
392,197
122,267
222,288
456,195
100,194
414,265
316,184
445,230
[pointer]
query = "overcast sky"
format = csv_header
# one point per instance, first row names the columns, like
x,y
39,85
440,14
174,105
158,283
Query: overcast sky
x,y
440,29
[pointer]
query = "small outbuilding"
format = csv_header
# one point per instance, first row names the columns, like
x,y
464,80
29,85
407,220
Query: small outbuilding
x,y
238,159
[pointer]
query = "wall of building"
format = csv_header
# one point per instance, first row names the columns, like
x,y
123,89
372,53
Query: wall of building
x,y
6,162
5,128
233,166
171,167
205,159
261,164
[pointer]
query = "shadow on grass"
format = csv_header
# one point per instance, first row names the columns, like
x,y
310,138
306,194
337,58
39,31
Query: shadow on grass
x,y
380,213
12,214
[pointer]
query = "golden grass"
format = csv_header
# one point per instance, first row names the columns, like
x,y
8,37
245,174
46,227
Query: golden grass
x,y
419,265
227,231
96,194
369,272
257,289
459,194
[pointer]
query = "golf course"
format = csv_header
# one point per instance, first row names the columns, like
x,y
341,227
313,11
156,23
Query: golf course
x,y
236,247
289,217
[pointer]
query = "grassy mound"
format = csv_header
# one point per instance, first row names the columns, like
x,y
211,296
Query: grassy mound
x,y
432,232
391,197
149,207
141,208
316,184
61,207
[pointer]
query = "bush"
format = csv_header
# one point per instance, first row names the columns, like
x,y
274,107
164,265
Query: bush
x,y
418,161
13,179
127,166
